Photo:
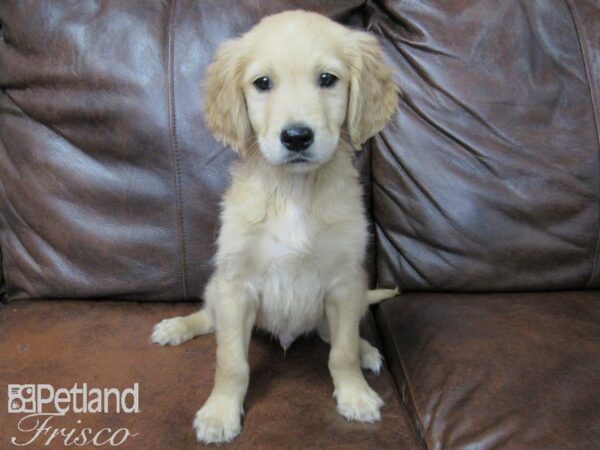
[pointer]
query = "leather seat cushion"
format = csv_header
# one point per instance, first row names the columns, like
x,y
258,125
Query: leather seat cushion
x,y
486,371
105,344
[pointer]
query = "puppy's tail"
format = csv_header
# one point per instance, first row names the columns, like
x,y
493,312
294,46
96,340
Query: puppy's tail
x,y
376,295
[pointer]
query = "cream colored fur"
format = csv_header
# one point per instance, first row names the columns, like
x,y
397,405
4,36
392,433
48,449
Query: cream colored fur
x,y
292,243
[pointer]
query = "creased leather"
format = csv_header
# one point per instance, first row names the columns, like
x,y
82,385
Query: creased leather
x,y
488,178
110,182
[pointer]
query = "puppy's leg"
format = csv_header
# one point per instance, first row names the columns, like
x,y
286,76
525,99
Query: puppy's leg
x,y
177,330
355,399
370,358
219,420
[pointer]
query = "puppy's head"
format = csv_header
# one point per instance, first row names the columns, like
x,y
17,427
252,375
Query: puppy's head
x,y
290,86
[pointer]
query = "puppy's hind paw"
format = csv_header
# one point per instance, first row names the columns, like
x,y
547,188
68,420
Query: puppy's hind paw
x,y
370,358
172,331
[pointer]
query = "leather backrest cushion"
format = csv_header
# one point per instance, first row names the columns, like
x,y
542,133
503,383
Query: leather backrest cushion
x,y
110,182
488,178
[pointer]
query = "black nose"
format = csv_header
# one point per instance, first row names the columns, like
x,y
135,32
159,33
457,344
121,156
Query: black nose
x,y
297,138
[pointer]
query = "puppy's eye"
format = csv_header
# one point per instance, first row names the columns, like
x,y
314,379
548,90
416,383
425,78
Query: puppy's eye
x,y
262,83
327,80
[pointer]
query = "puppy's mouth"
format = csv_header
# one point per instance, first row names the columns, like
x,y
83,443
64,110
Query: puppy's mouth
x,y
299,160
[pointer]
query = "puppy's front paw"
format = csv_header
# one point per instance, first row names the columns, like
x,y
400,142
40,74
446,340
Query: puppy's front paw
x,y
359,403
172,331
217,421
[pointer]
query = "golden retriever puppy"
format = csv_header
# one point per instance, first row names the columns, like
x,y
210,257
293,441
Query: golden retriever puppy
x,y
294,96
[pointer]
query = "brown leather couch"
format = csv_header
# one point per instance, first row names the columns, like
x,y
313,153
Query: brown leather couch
x,y
484,195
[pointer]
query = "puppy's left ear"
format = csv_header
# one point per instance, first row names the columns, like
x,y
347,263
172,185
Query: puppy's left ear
x,y
373,91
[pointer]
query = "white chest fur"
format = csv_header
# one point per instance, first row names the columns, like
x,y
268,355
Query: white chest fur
x,y
289,273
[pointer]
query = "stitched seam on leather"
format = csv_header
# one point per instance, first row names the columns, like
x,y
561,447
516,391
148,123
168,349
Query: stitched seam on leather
x,y
3,296
594,96
175,160
411,395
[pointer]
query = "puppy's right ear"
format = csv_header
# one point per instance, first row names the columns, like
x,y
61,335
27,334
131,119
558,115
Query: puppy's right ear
x,y
224,105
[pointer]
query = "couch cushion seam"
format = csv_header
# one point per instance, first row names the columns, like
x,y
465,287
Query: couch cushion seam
x,y
374,242
175,159
593,95
371,212
411,395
